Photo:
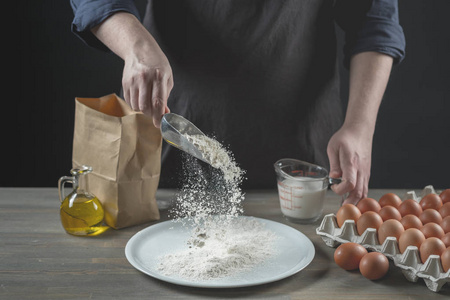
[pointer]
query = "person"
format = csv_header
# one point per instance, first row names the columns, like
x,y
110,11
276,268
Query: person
x,y
261,76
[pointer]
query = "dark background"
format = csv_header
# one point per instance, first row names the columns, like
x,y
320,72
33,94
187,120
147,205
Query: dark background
x,y
51,66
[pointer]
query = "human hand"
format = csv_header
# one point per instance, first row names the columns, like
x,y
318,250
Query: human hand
x,y
147,76
349,151
147,81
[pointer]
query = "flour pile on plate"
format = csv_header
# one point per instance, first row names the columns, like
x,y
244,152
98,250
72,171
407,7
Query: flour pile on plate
x,y
221,244
221,251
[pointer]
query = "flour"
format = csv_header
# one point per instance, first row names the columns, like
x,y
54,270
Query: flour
x,y
222,251
217,156
220,244
209,189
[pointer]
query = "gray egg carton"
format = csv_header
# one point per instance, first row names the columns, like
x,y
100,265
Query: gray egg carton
x,y
409,262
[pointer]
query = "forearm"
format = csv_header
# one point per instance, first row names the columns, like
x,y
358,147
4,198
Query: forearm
x,y
147,76
369,75
349,149
124,35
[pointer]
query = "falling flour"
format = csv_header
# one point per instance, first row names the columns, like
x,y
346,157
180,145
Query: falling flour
x,y
210,189
220,244
218,156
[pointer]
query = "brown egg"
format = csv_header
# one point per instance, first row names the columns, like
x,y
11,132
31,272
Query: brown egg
x,y
446,239
368,204
430,215
432,230
410,237
410,207
390,199
369,219
445,210
431,246
348,255
445,259
389,212
374,265
390,227
445,224
411,221
431,201
347,212
445,196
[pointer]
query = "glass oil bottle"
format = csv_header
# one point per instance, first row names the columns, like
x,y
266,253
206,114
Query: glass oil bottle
x,y
81,212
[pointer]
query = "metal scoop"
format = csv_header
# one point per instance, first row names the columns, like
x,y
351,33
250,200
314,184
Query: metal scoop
x,y
173,128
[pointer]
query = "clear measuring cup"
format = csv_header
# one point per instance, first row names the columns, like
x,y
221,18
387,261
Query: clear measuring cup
x,y
301,188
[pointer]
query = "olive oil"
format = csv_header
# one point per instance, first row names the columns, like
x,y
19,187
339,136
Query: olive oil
x,y
82,214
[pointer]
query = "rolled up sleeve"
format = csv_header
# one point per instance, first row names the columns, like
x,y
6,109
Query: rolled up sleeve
x,y
371,26
90,13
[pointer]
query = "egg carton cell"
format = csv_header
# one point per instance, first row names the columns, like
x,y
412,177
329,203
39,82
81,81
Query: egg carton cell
x,y
409,262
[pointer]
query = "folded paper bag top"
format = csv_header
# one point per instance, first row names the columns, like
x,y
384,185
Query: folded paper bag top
x,y
124,149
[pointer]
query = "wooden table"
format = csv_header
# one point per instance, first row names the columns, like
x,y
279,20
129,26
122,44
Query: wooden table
x,y
38,260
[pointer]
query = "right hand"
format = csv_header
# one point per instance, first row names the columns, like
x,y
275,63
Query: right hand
x,y
147,81
147,76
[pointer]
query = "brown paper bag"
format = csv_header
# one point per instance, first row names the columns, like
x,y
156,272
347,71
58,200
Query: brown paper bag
x,y
124,149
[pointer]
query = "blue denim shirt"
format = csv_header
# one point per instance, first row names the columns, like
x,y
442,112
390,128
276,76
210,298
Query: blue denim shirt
x,y
376,29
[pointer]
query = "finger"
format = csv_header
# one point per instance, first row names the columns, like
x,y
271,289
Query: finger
x,y
145,100
349,173
134,99
353,197
335,168
364,187
350,200
158,111
358,192
169,89
159,99
344,187
126,95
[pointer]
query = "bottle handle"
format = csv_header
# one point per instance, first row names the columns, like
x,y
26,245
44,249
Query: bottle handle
x,y
61,183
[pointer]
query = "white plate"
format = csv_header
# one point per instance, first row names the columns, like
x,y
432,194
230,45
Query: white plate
x,y
294,252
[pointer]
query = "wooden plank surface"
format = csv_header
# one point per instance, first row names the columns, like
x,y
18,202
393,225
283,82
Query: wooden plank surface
x,y
38,260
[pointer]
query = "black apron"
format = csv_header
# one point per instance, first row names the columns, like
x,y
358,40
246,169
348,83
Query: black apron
x,y
261,76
